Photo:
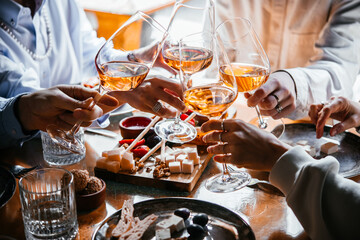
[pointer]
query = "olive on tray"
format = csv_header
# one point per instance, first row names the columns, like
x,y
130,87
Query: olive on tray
x,y
195,230
201,219
183,213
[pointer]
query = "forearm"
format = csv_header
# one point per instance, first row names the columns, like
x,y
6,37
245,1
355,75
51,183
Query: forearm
x,y
333,70
314,191
11,132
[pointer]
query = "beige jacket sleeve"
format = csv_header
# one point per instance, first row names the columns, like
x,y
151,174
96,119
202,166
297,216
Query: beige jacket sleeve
x,y
326,204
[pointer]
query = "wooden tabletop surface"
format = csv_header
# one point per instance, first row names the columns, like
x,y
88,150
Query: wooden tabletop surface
x,y
267,213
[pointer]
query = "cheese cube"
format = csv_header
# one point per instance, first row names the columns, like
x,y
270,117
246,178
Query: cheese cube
x,y
181,158
127,161
187,166
175,167
192,155
329,147
114,155
113,166
178,152
101,163
163,234
169,159
169,150
174,223
302,142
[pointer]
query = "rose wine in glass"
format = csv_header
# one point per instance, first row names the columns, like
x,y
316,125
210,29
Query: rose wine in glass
x,y
195,57
122,76
208,94
248,63
192,58
117,70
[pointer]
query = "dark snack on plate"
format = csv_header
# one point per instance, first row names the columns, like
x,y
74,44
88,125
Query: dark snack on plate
x,y
94,185
201,219
195,230
182,212
81,179
152,140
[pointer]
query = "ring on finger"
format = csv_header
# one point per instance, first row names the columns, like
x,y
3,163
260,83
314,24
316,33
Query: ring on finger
x,y
156,108
220,137
222,125
278,108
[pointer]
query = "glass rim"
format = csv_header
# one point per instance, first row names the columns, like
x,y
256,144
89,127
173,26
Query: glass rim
x,y
143,16
247,21
43,170
182,39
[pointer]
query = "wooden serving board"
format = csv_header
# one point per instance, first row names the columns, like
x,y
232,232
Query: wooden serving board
x,y
175,182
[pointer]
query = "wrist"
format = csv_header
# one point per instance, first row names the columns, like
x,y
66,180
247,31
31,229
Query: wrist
x,y
280,148
288,77
23,114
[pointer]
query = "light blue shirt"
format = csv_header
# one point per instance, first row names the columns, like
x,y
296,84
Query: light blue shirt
x,y
75,45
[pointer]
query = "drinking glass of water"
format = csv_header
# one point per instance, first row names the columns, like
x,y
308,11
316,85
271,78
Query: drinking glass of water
x,y
48,204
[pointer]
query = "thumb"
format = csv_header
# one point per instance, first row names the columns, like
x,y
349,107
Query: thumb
x,y
108,101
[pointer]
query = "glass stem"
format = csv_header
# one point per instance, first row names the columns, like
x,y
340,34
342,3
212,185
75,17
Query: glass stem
x,y
177,120
226,172
262,122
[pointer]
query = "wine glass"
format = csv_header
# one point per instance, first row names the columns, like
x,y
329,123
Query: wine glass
x,y
196,57
209,94
123,63
249,63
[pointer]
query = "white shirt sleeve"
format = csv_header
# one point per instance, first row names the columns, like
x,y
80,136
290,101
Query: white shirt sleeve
x,y
326,204
333,71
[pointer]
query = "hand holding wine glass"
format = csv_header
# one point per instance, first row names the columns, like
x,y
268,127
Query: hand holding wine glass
x,y
195,58
211,95
123,64
249,63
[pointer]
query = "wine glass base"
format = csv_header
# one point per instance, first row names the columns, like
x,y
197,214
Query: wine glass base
x,y
62,138
179,133
223,183
274,126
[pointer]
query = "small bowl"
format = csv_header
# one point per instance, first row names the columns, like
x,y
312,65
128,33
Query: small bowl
x,y
131,127
86,202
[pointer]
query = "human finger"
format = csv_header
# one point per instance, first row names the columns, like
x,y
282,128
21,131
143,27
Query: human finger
x,y
352,121
108,101
171,100
212,125
220,149
261,93
214,136
283,109
88,115
227,158
166,83
274,98
224,125
157,108
324,114
314,112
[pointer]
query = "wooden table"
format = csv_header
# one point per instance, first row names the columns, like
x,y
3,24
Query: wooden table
x,y
268,214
